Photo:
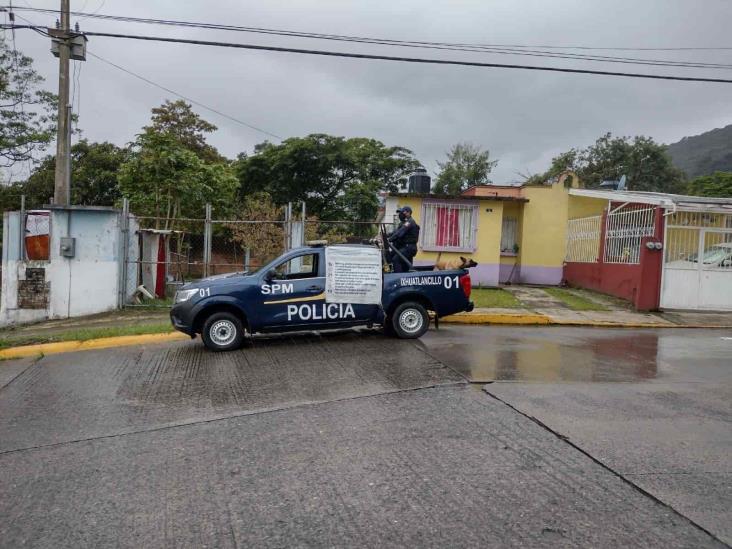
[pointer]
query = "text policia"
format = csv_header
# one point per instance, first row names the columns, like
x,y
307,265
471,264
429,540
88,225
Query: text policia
x,y
320,311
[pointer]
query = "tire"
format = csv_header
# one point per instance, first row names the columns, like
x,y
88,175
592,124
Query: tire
x,y
222,332
410,320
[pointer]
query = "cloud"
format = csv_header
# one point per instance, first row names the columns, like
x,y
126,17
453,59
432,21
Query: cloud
x,y
523,117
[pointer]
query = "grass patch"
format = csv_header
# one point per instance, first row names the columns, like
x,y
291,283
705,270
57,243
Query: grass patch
x,y
84,334
574,301
494,297
610,301
157,303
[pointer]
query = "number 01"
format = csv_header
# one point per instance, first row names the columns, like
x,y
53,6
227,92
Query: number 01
x,y
451,282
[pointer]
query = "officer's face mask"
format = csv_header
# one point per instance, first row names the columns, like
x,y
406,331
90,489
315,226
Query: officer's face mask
x,y
402,217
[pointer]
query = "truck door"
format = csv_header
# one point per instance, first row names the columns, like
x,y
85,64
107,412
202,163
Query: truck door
x,y
298,286
295,297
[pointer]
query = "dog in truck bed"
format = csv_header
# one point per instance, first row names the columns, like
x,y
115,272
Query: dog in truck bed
x,y
453,264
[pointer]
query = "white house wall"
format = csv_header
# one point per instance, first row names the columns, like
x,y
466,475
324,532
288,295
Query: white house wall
x,y
88,282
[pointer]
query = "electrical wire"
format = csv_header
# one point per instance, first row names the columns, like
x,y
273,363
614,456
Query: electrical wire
x,y
393,58
77,93
465,47
73,83
94,12
192,101
403,59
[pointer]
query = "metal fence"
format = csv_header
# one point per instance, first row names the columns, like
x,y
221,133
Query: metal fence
x,y
165,254
624,232
583,239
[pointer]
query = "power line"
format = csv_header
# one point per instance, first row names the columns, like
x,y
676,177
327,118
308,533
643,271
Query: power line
x,y
404,59
234,27
193,101
442,45
467,47
95,11
393,58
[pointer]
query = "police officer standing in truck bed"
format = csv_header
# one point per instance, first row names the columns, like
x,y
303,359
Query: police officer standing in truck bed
x,y
404,239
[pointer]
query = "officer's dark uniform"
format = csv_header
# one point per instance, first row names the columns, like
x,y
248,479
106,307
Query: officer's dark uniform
x,y
405,240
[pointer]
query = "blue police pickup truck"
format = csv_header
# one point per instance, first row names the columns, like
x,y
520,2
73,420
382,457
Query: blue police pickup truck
x,y
288,295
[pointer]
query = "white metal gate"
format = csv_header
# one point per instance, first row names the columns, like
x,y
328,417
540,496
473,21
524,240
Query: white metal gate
x,y
697,266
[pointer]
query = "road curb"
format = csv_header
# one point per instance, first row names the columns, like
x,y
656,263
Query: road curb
x,y
99,343
498,318
535,319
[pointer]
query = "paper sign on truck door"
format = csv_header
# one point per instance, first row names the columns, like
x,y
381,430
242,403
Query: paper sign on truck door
x,y
353,274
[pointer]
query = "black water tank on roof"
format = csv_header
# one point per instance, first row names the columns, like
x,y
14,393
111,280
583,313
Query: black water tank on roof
x,y
419,182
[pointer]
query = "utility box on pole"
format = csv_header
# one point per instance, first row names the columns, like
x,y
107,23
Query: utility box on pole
x,y
77,41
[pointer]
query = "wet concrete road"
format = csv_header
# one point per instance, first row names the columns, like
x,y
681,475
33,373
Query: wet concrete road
x,y
84,395
343,439
667,428
558,354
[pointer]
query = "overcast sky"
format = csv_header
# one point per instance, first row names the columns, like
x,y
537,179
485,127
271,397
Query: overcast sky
x,y
523,117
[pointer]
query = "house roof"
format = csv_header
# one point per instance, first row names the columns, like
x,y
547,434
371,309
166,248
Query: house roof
x,y
493,191
665,200
81,208
431,196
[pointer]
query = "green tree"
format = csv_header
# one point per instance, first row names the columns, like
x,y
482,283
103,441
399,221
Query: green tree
x,y
164,179
26,111
337,178
466,165
94,169
171,172
719,184
644,162
10,197
178,119
264,240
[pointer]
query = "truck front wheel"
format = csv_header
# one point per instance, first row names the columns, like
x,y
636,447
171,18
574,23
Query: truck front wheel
x,y
410,320
222,332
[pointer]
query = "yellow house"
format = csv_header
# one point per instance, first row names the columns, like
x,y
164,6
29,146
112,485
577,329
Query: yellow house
x,y
516,233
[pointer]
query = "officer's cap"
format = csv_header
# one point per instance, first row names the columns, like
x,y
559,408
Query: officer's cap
x,y
405,209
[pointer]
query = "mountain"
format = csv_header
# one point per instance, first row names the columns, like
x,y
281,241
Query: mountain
x,y
704,154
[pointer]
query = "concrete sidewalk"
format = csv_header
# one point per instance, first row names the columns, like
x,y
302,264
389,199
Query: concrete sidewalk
x,y
538,307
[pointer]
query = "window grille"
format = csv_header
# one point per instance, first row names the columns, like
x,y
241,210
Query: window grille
x,y
449,226
624,232
583,239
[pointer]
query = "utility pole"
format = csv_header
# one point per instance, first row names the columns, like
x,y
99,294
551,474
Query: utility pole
x,y
62,186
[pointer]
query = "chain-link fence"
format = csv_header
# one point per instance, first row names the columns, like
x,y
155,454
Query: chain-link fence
x,y
244,245
164,254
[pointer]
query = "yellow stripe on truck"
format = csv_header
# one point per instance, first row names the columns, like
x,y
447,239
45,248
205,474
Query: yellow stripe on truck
x,y
298,299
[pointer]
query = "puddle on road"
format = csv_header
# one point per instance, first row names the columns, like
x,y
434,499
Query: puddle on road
x,y
556,354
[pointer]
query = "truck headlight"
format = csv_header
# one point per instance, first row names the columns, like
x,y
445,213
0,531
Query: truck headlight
x,y
184,295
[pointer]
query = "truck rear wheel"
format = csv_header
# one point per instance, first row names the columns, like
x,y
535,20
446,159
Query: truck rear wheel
x,y
410,320
222,332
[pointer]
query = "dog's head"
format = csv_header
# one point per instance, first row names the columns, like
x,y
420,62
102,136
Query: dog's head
x,y
467,263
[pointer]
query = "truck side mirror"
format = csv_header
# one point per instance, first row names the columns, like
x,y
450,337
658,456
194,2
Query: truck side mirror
x,y
270,275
